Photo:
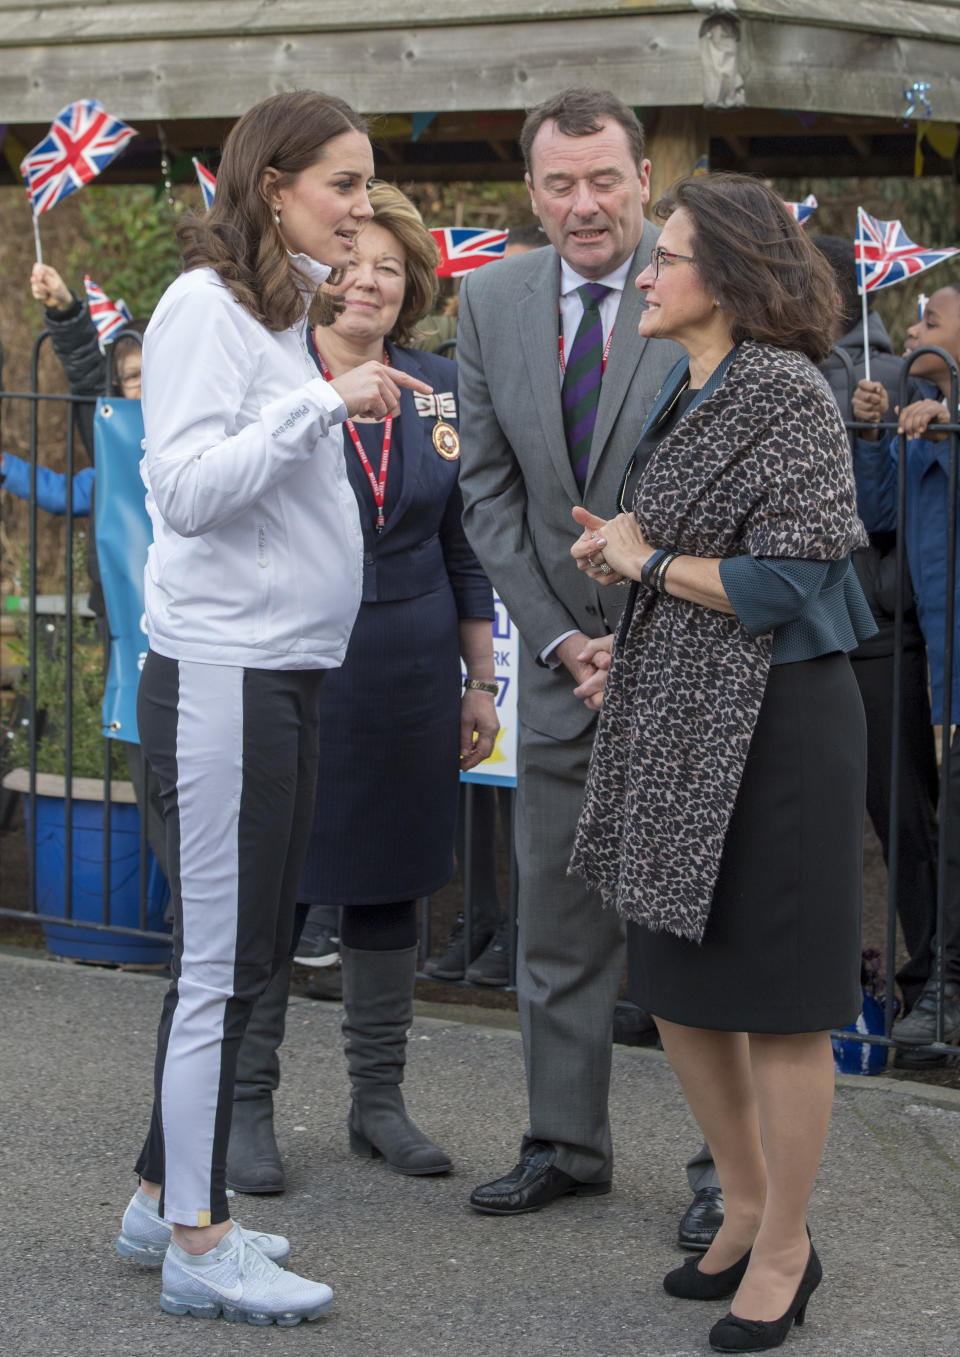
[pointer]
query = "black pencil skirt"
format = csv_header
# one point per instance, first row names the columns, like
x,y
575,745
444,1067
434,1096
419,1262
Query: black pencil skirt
x,y
781,950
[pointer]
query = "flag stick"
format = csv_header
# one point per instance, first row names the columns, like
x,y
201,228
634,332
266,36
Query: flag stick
x,y
36,236
863,295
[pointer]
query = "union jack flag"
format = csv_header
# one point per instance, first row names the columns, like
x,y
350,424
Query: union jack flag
x,y
886,254
109,317
82,140
801,211
464,248
208,182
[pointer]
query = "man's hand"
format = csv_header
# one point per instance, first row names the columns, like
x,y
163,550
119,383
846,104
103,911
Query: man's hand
x,y
597,652
568,652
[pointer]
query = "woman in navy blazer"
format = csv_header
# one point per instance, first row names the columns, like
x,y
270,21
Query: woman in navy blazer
x,y
396,724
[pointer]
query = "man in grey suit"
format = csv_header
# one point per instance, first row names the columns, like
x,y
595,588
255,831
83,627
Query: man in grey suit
x,y
528,457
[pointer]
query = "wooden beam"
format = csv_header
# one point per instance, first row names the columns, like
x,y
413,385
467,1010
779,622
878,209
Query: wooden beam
x,y
148,59
789,66
419,70
676,140
77,21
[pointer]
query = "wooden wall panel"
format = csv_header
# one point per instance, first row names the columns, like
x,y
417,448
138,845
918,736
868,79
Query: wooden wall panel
x,y
428,69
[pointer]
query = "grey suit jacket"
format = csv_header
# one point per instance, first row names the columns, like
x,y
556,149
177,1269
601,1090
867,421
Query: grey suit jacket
x,y
517,482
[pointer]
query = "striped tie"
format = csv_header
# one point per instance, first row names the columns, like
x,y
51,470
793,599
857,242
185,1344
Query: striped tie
x,y
580,392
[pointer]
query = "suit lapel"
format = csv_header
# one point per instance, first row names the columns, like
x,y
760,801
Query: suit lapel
x,y
538,323
626,348
413,429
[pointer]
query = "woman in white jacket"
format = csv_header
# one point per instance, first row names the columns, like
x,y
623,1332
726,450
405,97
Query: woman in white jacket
x,y
252,586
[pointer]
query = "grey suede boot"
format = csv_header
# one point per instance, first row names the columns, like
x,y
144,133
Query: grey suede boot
x,y
253,1160
377,1010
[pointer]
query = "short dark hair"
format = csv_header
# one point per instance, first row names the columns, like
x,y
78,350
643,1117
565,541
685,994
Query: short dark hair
x,y
841,255
756,261
580,112
129,339
532,236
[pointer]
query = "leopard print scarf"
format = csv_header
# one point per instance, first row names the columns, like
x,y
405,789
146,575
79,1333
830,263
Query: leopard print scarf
x,y
760,466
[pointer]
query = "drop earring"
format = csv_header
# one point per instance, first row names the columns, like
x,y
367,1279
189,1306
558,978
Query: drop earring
x,y
276,213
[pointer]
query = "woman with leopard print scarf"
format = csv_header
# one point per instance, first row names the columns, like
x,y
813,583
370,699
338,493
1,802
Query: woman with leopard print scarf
x,y
724,807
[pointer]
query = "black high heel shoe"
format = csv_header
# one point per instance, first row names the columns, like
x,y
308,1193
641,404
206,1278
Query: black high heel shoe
x,y
733,1334
689,1283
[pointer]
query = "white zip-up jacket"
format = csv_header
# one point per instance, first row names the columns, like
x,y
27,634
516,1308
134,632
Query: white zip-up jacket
x,y
257,552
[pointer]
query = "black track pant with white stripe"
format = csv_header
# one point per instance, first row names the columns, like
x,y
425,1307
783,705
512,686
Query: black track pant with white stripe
x,y
236,754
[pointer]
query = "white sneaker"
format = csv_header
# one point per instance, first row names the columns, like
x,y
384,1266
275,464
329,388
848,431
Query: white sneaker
x,y
237,1280
144,1235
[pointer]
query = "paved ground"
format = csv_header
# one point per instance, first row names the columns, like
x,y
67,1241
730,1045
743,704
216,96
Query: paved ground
x,y
416,1273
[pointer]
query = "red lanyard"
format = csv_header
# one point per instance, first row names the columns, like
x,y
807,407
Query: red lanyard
x,y
603,361
377,484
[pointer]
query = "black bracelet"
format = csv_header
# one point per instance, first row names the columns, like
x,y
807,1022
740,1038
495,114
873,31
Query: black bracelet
x,y
650,564
659,580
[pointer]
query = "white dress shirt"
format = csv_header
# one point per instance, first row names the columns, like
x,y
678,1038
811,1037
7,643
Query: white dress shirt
x,y
571,307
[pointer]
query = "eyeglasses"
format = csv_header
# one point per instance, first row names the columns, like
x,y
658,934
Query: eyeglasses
x,y
659,256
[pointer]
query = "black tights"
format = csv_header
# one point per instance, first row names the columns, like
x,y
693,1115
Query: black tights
x,y
372,928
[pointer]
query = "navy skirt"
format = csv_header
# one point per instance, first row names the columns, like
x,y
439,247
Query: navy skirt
x,y
387,794
781,950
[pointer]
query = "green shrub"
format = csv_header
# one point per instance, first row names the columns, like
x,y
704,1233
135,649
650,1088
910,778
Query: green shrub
x,y
88,684
129,247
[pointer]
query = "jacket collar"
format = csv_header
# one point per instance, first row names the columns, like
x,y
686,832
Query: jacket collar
x,y
673,383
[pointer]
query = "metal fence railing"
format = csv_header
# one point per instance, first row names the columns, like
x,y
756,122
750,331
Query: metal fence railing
x,y
44,848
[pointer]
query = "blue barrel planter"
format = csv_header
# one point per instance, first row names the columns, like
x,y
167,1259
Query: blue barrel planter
x,y
86,877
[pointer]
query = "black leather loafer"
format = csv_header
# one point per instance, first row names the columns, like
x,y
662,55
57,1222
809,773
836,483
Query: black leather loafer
x,y
533,1184
701,1220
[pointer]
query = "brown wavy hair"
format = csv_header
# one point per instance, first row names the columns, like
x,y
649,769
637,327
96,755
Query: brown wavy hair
x,y
394,211
238,237
769,279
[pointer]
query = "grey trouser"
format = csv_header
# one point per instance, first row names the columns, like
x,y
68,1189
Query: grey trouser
x,y
570,959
